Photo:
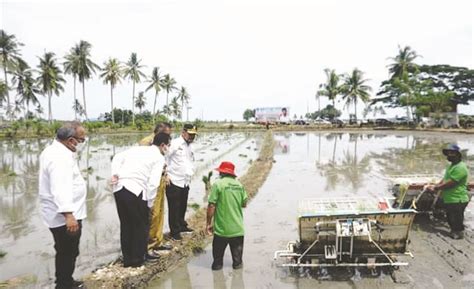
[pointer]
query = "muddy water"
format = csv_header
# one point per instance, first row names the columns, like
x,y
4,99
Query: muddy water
x,y
28,243
335,165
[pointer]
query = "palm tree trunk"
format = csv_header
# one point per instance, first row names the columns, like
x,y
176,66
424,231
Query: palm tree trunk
x,y
154,107
355,109
6,84
112,102
50,113
75,99
84,99
167,98
182,109
133,103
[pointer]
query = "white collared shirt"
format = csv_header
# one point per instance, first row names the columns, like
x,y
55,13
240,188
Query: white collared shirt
x,y
179,162
139,170
62,188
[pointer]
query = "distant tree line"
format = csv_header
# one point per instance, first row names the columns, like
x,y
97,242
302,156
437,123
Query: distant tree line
x,y
22,84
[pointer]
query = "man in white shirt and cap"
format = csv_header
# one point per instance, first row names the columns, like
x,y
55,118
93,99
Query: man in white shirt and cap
x,y
62,195
180,169
136,175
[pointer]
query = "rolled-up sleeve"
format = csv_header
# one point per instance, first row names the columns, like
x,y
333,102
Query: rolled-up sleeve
x,y
61,172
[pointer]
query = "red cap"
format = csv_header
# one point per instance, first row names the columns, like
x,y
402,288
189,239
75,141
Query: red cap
x,y
226,168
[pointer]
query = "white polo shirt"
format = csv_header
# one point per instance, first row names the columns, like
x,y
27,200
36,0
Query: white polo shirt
x,y
62,188
139,170
179,162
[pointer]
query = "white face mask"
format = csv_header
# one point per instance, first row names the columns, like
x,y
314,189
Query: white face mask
x,y
80,146
164,150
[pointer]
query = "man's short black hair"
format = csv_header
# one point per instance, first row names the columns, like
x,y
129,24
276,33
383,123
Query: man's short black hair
x,y
161,138
162,125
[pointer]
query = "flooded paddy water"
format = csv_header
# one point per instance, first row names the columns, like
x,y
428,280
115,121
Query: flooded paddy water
x,y
27,242
333,164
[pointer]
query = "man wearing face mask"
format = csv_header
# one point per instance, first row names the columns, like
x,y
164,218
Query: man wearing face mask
x,y
136,175
180,169
62,196
454,191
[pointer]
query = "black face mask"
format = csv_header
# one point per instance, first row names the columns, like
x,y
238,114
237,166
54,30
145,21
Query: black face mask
x,y
453,159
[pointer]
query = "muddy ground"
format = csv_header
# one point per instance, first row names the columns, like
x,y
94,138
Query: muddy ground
x,y
339,165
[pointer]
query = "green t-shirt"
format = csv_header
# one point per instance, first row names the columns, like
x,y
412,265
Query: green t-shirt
x,y
228,195
457,194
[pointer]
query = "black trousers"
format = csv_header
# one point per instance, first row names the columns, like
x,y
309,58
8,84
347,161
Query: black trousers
x,y
133,213
67,250
219,244
455,216
177,204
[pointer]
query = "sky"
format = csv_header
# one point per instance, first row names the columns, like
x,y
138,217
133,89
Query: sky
x,y
234,55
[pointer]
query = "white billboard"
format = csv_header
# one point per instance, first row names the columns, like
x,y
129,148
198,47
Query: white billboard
x,y
272,115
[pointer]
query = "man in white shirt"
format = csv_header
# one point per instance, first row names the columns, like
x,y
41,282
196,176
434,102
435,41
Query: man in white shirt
x,y
180,169
62,195
136,175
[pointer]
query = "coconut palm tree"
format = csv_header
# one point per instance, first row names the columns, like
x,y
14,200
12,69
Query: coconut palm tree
x,y
184,97
112,74
71,66
86,69
3,92
39,110
140,102
133,72
169,84
77,107
174,107
331,89
25,85
355,89
167,109
49,79
403,61
9,53
157,84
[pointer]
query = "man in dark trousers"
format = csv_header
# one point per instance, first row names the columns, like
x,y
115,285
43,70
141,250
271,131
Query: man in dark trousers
x,y
225,218
62,196
179,169
136,175
454,191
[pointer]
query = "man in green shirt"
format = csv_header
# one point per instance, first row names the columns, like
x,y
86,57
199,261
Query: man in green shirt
x,y
225,218
454,191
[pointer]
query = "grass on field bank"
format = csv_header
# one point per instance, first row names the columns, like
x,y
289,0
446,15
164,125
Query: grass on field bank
x,y
115,276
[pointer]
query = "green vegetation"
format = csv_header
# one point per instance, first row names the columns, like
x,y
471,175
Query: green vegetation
x,y
48,80
425,89
329,112
248,114
2,253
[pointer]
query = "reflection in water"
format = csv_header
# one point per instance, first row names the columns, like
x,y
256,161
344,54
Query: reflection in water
x,y
28,242
220,281
350,169
345,163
